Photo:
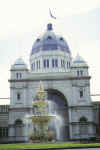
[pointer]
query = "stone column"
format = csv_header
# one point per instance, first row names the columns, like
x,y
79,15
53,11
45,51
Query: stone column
x,y
70,126
11,133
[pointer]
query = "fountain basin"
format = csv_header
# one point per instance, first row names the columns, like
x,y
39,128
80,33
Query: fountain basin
x,y
39,119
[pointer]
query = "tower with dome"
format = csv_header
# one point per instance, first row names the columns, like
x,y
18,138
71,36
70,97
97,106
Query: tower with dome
x,y
66,82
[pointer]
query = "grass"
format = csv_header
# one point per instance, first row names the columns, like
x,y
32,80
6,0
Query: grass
x,y
44,146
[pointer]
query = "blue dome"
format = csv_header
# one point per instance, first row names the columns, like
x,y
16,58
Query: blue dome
x,y
50,41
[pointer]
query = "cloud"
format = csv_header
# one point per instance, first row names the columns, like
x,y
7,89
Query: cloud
x,y
18,16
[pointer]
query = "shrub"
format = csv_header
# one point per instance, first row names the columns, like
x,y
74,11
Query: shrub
x,y
32,136
51,135
42,138
92,138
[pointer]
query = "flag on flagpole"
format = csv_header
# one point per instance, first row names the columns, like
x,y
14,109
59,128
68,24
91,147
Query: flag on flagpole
x,y
51,14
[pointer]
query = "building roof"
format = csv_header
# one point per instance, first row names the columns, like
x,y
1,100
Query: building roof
x,y
49,41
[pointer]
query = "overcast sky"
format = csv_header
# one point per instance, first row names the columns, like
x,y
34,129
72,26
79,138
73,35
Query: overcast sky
x,y
21,21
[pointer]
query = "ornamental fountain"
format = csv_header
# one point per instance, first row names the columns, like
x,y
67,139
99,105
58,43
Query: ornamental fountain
x,y
41,118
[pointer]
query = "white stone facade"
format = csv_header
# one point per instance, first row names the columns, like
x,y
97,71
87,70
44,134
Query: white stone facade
x,y
67,83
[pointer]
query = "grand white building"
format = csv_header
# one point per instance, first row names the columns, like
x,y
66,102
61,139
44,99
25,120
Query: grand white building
x,y
67,83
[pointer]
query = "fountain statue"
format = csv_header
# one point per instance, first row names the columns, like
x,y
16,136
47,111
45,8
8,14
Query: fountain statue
x,y
41,118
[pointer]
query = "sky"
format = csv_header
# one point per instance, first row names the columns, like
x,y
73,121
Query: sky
x,y
22,21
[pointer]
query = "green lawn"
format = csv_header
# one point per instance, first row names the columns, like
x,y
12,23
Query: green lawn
x,y
52,145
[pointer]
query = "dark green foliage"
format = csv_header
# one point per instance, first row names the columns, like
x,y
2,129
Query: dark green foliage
x,y
93,138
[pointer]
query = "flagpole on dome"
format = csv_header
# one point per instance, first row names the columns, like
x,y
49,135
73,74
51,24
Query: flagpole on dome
x,y
51,15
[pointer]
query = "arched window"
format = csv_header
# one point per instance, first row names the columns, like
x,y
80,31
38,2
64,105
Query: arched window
x,y
34,66
78,73
81,93
61,39
39,64
18,128
81,72
18,122
62,63
18,75
83,119
83,126
49,37
18,96
38,40
54,63
69,64
46,63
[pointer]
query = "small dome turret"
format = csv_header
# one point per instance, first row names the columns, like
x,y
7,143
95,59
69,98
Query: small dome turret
x,y
79,67
79,62
19,65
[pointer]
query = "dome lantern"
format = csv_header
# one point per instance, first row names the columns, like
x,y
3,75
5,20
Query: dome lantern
x,y
49,27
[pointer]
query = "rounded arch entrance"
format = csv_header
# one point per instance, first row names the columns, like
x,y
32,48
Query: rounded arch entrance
x,y
59,106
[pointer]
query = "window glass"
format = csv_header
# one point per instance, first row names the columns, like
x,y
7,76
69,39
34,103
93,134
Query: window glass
x,y
34,65
18,96
31,66
39,64
49,37
63,63
78,73
81,93
81,72
54,63
3,132
46,63
18,75
69,64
